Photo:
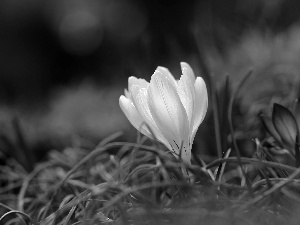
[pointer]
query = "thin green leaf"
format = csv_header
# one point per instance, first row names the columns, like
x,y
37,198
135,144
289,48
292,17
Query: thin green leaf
x,y
268,125
230,106
285,124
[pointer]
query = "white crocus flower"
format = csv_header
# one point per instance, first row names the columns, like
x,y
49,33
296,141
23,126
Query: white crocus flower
x,y
172,109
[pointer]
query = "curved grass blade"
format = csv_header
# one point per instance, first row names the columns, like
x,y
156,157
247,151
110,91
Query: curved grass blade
x,y
238,154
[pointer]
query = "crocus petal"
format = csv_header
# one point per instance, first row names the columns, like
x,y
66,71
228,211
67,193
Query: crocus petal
x,y
167,109
140,100
172,110
186,91
142,83
201,104
188,71
166,73
132,115
127,94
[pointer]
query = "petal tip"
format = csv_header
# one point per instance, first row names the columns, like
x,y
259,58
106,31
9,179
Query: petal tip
x,y
132,80
184,64
187,71
200,81
142,83
164,72
160,70
122,100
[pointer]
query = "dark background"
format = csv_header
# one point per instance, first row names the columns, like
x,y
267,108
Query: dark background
x,y
64,63
48,43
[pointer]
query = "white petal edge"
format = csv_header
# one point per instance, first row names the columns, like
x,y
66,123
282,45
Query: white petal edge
x,y
201,104
186,91
127,94
132,115
139,98
167,110
166,73
142,83
187,69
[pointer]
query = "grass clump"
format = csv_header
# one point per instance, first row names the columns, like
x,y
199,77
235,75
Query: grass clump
x,y
143,183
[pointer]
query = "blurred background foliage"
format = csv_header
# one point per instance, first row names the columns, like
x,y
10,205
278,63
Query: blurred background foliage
x,y
64,63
